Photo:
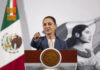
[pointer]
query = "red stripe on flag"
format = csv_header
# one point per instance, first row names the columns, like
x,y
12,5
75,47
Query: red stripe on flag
x,y
14,5
17,64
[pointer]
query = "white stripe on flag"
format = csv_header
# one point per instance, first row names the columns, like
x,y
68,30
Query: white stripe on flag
x,y
11,5
6,57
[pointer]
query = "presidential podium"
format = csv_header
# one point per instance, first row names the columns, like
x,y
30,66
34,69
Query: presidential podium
x,y
32,60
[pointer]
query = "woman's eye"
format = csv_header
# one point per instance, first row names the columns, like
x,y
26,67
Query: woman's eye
x,y
44,24
87,32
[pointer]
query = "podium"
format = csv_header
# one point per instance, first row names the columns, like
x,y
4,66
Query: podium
x,y
32,60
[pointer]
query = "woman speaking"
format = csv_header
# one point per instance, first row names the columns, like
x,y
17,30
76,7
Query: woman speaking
x,y
49,40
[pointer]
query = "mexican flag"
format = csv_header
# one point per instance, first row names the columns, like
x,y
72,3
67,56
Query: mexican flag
x,y
11,41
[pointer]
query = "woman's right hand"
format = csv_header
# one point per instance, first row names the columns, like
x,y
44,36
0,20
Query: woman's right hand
x,y
36,36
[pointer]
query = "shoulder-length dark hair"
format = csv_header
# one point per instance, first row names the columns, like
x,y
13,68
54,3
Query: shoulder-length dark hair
x,y
73,40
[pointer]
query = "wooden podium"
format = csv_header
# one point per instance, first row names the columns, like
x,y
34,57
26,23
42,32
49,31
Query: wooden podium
x,y
33,56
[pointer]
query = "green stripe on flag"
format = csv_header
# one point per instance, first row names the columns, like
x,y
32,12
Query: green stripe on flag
x,y
6,22
17,14
8,5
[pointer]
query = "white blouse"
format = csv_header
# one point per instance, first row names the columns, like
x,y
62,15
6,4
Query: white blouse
x,y
51,43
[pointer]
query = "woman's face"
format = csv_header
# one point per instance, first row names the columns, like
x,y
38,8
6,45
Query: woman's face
x,y
49,26
86,35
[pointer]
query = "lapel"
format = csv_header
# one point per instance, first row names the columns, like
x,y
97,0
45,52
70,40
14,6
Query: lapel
x,y
56,43
45,43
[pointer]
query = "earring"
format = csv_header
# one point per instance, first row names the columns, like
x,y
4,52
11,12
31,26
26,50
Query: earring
x,y
77,35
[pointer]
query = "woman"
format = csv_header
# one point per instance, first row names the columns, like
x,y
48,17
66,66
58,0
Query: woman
x,y
49,40
81,37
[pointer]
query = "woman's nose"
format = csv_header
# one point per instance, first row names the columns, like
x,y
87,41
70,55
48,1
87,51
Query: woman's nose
x,y
47,25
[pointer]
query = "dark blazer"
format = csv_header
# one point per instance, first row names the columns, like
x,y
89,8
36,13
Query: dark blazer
x,y
42,44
